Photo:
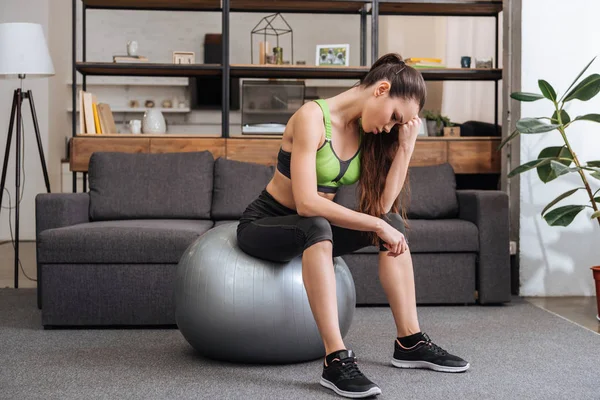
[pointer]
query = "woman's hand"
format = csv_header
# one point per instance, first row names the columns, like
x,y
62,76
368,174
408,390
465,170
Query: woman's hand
x,y
408,132
393,239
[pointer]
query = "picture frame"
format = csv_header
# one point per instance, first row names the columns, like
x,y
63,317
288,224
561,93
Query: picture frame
x,y
332,54
184,57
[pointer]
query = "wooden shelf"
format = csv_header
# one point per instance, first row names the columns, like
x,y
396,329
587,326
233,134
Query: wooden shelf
x,y
478,8
461,74
467,155
295,6
296,71
299,6
275,71
158,5
172,110
148,69
324,72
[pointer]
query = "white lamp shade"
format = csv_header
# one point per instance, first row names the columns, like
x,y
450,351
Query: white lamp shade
x,y
23,50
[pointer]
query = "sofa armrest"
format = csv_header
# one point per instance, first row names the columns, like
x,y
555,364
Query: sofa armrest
x,y
488,209
56,210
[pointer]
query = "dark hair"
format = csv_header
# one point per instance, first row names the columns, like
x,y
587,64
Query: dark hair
x,y
406,82
378,151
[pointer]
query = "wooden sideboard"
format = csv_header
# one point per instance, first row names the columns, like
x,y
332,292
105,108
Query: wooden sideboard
x,y
467,155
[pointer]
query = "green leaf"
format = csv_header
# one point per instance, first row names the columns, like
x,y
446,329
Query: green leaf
x,y
560,169
593,163
559,198
529,165
564,117
579,76
546,172
547,90
597,200
534,125
589,117
526,96
596,174
586,89
596,214
508,139
563,216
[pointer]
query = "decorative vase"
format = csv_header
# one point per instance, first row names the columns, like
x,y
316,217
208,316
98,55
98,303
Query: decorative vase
x,y
153,122
596,272
132,48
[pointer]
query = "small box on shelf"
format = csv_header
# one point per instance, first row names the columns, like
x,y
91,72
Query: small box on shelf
x,y
452,131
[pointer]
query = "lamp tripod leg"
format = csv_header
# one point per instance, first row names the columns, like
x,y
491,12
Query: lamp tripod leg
x,y
14,110
29,95
18,183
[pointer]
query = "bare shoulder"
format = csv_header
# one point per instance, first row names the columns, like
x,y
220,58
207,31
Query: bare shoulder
x,y
307,123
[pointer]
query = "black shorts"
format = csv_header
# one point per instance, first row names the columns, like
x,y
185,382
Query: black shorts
x,y
271,231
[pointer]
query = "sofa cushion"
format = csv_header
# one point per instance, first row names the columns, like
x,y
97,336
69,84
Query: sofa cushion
x,y
438,236
225,222
148,186
120,242
237,184
432,193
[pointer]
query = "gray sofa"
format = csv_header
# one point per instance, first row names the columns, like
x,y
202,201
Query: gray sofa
x,y
108,256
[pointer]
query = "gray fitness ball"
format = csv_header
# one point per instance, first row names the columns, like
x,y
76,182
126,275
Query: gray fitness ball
x,y
233,307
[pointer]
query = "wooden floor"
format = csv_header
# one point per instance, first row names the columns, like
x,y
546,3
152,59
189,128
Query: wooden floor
x,y
579,310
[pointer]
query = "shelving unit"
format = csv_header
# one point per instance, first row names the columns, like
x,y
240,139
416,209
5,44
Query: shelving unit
x,y
454,8
227,71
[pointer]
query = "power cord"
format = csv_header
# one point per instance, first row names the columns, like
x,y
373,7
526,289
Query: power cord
x,y
20,197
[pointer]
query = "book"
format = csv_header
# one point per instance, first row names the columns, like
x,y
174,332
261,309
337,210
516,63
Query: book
x,y
88,100
81,113
423,59
130,59
96,119
107,121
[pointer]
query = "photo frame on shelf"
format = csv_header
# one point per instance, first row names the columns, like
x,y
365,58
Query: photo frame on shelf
x,y
184,57
333,54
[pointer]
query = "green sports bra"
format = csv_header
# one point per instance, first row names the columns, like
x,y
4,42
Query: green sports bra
x,y
331,171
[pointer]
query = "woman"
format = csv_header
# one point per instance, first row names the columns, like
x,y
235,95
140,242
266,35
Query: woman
x,y
366,132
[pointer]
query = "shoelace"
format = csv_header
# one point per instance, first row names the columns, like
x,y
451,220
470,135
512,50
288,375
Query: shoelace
x,y
436,349
349,368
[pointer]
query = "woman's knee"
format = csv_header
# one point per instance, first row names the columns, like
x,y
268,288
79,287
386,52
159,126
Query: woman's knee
x,y
315,230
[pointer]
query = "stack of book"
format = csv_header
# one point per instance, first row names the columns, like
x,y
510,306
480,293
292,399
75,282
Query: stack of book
x,y
421,62
94,118
130,59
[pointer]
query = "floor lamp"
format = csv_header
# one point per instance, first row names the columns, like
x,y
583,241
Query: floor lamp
x,y
23,53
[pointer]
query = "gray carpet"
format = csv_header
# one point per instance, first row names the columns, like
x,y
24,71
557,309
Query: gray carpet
x,y
516,351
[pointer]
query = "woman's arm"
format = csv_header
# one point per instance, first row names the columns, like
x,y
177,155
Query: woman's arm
x,y
407,136
396,177
308,130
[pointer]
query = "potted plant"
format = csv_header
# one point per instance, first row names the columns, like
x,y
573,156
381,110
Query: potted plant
x,y
435,122
556,161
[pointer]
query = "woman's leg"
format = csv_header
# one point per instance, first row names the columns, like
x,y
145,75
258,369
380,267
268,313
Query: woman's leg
x,y
395,273
286,237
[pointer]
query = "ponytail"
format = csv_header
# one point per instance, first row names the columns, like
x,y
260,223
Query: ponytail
x,y
378,151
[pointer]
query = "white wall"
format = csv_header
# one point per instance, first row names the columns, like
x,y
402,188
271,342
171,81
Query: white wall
x,y
474,37
559,39
25,11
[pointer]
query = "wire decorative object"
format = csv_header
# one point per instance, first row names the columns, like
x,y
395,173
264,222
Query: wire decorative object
x,y
271,26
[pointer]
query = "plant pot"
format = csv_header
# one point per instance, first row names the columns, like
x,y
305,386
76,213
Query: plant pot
x,y
596,272
433,128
